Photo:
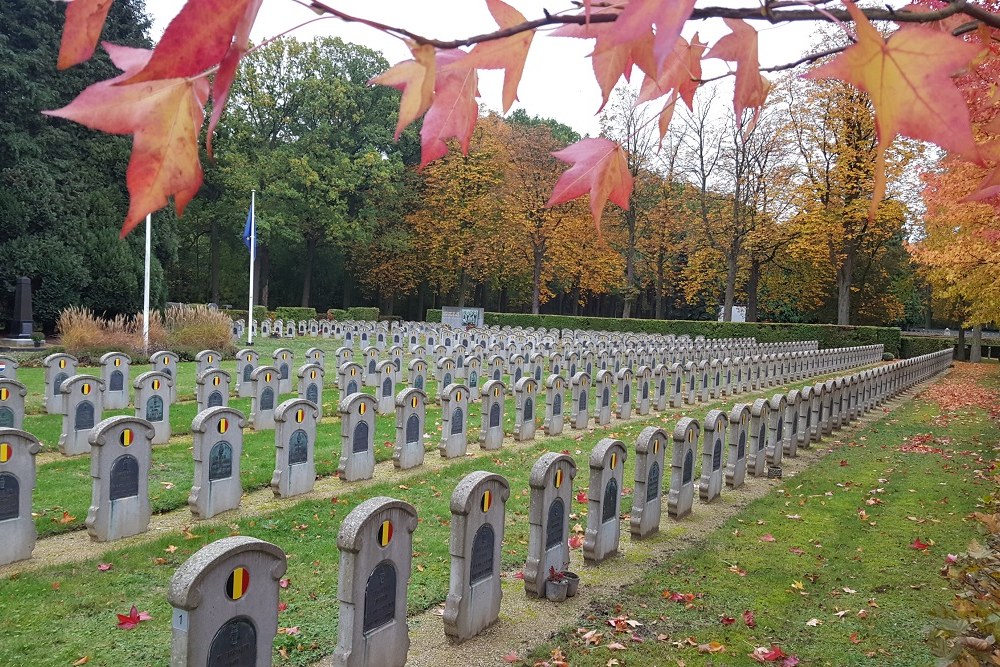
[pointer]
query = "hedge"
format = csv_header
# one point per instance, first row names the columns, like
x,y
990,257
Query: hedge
x,y
914,346
828,335
295,314
363,314
259,313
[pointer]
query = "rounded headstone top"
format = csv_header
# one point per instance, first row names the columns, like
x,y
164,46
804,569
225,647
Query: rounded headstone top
x,y
203,377
98,434
185,589
69,385
793,396
684,426
287,409
352,530
544,467
347,403
34,445
466,493
760,407
149,376
739,412
647,436
109,357
208,415
603,450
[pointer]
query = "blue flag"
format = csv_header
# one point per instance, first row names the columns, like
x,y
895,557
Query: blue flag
x,y
248,229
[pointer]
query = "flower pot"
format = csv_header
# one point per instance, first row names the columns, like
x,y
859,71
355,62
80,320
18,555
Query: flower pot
x,y
555,591
573,583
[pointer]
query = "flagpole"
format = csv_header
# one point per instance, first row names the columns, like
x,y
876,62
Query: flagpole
x,y
145,291
253,257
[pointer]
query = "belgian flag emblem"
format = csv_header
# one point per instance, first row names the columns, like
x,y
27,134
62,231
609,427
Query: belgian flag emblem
x,y
223,425
166,361
312,375
487,500
85,388
267,377
458,396
210,359
249,358
156,385
127,437
614,460
5,452
362,408
62,363
656,447
4,394
385,533
118,361
238,583
496,391
217,380
559,477
300,415
413,402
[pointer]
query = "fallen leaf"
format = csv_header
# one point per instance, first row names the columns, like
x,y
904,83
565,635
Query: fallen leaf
x,y
170,549
285,582
104,567
82,661
132,619
918,545
727,620
711,647
511,657
767,538
813,622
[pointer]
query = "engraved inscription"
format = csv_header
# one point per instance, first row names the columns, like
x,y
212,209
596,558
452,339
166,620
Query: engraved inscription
x,y
234,645
124,479
554,525
609,511
298,448
582,405
627,393
412,429
762,436
267,399
352,387
84,416
116,382
6,417
557,404
380,597
606,398
220,461
741,446
312,393
154,409
10,496
481,565
528,413
457,421
360,443
688,471
495,415
247,370
57,383
717,454
653,482
215,399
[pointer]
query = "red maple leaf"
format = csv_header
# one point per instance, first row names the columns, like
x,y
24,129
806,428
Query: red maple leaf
x,y
84,22
639,16
600,168
223,79
740,46
581,496
749,619
575,542
164,118
508,53
132,619
680,76
727,620
918,545
454,111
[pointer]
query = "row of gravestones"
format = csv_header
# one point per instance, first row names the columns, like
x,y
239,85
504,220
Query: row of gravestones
x,y
225,597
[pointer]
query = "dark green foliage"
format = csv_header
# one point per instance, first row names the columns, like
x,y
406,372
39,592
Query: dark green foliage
x,y
336,314
287,313
914,346
359,313
828,335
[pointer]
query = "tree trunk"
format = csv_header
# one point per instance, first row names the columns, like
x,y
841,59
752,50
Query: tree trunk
x,y
262,267
630,293
463,286
345,290
960,348
753,284
976,355
215,245
307,270
538,252
421,315
844,274
661,260
727,304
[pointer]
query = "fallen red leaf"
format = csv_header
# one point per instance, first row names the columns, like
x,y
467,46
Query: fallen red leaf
x,y
727,620
132,619
104,567
575,542
920,546
767,538
749,619
511,657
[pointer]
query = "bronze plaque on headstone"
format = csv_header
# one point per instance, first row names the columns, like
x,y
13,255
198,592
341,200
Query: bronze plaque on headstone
x,y
124,480
688,467
529,410
360,442
717,454
495,415
10,496
84,416
220,461
653,481
457,421
380,597
412,429
154,409
234,645
312,393
481,566
298,448
610,506
215,399
267,399
554,527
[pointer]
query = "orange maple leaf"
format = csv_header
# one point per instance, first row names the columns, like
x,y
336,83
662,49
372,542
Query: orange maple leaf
x,y
415,78
908,78
680,76
84,22
163,116
600,168
196,39
507,54
639,16
223,79
740,46
454,111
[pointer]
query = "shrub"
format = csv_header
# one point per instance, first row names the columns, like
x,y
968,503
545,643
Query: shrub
x,y
295,314
362,313
914,346
336,314
191,329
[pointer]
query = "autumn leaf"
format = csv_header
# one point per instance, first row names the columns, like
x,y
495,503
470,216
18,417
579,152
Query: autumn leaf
x,y
195,40
727,620
575,542
104,567
223,79
749,619
639,16
918,545
284,582
711,647
84,22
740,46
415,79
768,537
511,657
282,606
508,53
66,518
82,661
132,619
453,112
600,168
581,496
908,78
164,118
679,76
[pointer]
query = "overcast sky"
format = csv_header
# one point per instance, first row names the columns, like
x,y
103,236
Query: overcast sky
x,y
558,80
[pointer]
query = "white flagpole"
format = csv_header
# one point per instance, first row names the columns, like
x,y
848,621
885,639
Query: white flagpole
x,y
145,292
253,257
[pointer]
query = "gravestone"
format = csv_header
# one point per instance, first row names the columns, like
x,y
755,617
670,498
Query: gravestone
x,y
418,374
283,361
343,355
17,482
357,437
152,402
445,375
225,604
779,403
650,451
624,393
207,359
83,398
826,421
265,328
602,389
121,448
8,367
680,383
246,362
396,357
310,385
495,369
212,389
266,388
607,468
739,435
691,383
760,416
454,414
525,408
837,404
315,355
350,378
477,529
165,362
370,362
713,445
474,375
705,378
492,402
411,415
385,388
294,448
116,374
662,384
805,416
376,554
12,395
816,407
555,399
790,423
644,390
58,367
580,384
551,501
680,500
218,452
